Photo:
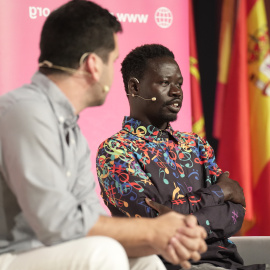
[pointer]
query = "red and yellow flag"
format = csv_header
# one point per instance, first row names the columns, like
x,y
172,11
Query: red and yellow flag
x,y
259,92
224,52
196,100
243,109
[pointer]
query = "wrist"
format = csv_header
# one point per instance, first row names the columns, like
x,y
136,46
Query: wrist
x,y
150,233
227,194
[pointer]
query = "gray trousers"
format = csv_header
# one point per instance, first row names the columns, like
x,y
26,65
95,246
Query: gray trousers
x,y
208,266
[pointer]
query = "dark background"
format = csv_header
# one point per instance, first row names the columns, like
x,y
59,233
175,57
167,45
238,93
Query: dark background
x,y
207,22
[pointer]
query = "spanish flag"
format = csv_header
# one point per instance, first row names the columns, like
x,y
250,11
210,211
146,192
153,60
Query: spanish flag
x,y
259,92
196,100
242,120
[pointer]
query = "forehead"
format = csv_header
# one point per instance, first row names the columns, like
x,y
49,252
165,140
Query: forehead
x,y
162,66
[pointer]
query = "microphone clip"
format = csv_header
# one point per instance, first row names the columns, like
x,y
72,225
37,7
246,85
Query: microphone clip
x,y
152,99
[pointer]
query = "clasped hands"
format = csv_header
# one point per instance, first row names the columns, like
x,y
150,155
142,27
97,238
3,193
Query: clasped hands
x,y
180,237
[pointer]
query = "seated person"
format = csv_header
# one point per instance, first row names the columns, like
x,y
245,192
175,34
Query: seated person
x,y
147,158
50,214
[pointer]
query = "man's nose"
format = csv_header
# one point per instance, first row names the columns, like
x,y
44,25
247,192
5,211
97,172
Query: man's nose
x,y
175,90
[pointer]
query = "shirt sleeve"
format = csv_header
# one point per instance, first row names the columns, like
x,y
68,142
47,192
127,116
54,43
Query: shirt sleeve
x,y
125,185
53,201
221,221
211,194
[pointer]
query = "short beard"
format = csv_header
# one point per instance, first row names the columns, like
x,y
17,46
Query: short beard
x,y
162,119
169,118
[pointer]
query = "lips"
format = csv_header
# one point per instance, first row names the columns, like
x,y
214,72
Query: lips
x,y
174,105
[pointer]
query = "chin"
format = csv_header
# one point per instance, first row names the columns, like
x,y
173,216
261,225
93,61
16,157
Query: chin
x,y
169,118
98,103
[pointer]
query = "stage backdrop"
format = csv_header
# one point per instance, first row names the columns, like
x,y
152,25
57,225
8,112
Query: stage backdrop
x,y
144,22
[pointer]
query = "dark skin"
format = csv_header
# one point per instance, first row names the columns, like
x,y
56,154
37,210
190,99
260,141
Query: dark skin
x,y
163,80
232,190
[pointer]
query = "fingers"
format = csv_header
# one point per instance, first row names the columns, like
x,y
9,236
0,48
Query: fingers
x,y
202,232
183,255
185,264
187,241
180,250
192,236
161,209
196,232
195,256
203,246
152,204
192,244
170,255
191,221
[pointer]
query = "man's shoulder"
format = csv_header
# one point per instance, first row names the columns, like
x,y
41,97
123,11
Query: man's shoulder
x,y
23,100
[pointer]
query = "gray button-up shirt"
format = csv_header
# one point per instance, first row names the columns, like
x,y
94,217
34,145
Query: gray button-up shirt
x,y
47,191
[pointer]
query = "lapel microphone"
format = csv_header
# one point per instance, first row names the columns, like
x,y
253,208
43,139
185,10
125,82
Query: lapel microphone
x,y
152,99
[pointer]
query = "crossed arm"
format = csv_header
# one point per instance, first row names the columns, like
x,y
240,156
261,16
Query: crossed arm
x,y
218,208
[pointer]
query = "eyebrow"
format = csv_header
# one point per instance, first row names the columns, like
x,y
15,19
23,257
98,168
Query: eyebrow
x,y
181,78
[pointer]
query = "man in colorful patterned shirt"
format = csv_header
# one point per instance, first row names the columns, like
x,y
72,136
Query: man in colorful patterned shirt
x,y
176,170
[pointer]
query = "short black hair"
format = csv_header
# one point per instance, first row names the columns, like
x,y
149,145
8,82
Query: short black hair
x,y
75,28
135,63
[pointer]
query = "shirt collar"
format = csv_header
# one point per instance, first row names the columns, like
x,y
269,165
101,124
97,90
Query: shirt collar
x,y
147,132
62,107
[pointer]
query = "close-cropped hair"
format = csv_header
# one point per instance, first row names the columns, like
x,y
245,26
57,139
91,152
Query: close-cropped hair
x,y
135,63
75,28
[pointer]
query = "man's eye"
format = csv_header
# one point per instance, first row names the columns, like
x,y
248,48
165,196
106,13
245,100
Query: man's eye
x,y
179,85
164,83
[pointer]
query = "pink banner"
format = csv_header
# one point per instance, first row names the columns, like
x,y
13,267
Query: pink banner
x,y
144,22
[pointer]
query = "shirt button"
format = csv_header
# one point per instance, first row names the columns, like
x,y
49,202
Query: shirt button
x,y
68,173
61,119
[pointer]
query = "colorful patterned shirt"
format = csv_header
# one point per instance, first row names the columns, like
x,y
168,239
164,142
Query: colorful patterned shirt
x,y
176,169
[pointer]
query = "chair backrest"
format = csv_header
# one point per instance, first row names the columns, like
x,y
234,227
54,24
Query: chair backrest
x,y
253,249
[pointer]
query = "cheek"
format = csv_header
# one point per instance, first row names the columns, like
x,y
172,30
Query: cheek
x,y
156,92
111,73
162,97
108,76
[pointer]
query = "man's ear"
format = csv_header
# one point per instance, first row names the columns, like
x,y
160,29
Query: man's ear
x,y
133,86
94,66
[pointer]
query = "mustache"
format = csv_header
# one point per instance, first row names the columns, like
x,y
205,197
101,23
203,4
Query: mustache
x,y
170,102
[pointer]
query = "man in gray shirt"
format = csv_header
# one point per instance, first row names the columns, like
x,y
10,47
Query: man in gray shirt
x,y
50,215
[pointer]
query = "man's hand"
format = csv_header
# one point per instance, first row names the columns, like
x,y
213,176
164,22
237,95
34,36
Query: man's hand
x,y
232,190
161,209
186,238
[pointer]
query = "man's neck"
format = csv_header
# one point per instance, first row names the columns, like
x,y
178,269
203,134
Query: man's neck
x,y
74,88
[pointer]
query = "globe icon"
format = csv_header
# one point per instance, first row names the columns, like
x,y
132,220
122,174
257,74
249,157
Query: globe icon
x,y
163,17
